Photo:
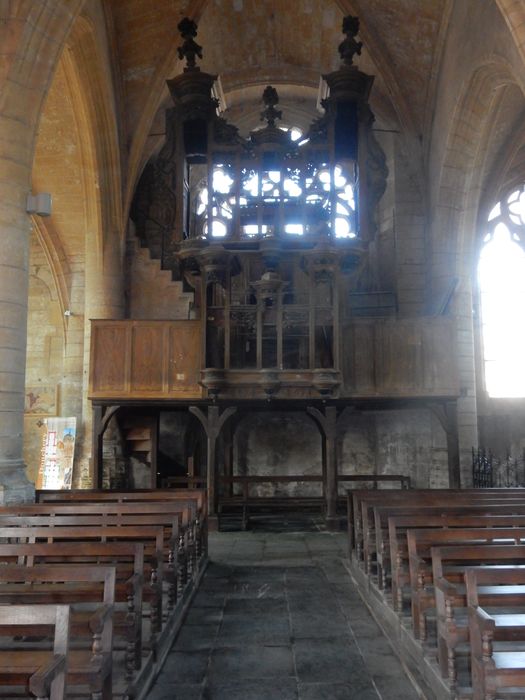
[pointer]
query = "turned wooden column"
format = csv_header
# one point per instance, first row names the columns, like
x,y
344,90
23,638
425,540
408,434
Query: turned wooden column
x,y
212,422
327,423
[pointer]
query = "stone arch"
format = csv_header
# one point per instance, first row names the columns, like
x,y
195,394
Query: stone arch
x,y
513,13
93,100
58,263
462,171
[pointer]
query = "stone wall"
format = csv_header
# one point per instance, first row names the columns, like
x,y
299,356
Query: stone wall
x,y
45,353
408,442
278,443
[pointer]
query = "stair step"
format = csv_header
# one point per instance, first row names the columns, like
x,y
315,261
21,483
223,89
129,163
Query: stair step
x,y
140,445
139,432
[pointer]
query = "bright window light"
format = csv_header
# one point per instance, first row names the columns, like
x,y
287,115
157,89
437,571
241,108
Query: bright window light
x,y
501,275
222,182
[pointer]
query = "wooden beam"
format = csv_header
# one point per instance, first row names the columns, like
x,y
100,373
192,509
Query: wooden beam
x,y
212,422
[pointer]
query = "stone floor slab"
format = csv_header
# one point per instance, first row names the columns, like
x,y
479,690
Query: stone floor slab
x,y
336,691
282,689
251,661
278,618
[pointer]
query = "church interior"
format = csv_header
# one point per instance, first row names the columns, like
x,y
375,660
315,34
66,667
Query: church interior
x,y
268,257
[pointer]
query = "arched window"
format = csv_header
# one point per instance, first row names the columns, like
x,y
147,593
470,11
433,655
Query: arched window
x,y
501,275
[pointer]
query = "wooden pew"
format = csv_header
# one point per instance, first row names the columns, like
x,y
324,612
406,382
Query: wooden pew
x,y
175,556
44,674
495,668
397,564
96,584
375,515
152,538
198,496
420,546
450,593
128,560
116,513
361,523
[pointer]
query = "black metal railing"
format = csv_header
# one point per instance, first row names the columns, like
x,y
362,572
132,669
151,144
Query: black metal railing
x,y
489,471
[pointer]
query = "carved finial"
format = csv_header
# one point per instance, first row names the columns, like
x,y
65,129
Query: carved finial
x,y
349,47
189,49
270,99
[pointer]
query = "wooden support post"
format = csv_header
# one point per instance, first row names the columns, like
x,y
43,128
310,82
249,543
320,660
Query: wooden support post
x,y
323,460
446,413
212,424
327,423
96,446
228,454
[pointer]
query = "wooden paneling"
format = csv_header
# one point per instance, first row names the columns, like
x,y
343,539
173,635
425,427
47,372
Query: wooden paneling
x,y
145,360
160,360
109,342
184,359
400,357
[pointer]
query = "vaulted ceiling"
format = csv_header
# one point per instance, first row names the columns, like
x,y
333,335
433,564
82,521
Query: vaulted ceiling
x,y
251,43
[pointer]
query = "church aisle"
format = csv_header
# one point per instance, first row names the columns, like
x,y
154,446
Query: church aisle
x,y
277,618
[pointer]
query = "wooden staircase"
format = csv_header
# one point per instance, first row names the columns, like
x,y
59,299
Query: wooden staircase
x,y
141,439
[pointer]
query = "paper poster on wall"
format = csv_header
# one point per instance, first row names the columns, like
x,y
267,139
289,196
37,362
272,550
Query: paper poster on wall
x,y
58,448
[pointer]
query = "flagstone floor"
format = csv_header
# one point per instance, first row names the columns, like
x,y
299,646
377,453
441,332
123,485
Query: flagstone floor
x,y
277,618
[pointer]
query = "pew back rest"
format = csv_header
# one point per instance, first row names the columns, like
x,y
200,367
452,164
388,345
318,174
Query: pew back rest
x,y
420,542
27,619
103,495
398,525
186,509
505,576
65,574
77,553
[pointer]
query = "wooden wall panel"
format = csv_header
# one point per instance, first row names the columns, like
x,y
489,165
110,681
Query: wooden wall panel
x,y
358,347
399,365
184,358
110,343
160,360
439,356
147,350
145,360
400,357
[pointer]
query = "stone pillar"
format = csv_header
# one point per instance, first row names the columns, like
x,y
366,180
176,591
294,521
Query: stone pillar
x,y
70,394
15,228
104,298
467,414
32,36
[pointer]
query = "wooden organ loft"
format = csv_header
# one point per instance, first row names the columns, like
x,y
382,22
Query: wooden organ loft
x,y
272,236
